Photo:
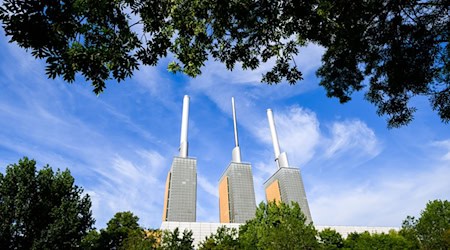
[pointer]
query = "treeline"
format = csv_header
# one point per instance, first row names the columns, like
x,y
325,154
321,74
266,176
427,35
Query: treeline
x,y
46,210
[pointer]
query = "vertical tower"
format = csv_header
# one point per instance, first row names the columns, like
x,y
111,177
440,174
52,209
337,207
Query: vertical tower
x,y
180,197
236,191
286,183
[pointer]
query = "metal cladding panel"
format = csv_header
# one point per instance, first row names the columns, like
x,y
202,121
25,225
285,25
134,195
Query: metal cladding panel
x,y
224,202
241,192
182,195
291,188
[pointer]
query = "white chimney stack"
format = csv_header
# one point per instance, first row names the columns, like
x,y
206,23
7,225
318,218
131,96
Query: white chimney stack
x,y
184,128
280,158
236,153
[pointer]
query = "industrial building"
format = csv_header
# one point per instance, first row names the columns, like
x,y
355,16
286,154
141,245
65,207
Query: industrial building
x,y
286,184
236,190
180,195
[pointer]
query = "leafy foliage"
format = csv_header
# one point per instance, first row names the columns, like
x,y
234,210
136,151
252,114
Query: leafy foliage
x,y
377,241
431,230
408,231
122,232
330,239
92,37
172,240
119,228
278,226
401,48
41,209
224,239
91,241
142,239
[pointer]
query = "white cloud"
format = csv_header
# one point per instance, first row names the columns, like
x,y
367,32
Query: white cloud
x,y
298,132
309,58
351,138
209,213
382,200
129,185
300,135
261,172
444,145
383,197
207,186
98,140
220,84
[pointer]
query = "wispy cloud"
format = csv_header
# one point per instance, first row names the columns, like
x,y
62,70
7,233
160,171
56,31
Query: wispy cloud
x,y
444,145
382,200
99,139
309,58
351,135
130,185
207,186
387,193
298,131
220,84
304,139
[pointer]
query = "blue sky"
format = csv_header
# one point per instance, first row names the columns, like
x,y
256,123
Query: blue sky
x,y
120,145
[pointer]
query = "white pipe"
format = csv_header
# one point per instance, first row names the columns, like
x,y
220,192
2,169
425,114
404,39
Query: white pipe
x,y
236,153
273,132
184,128
236,142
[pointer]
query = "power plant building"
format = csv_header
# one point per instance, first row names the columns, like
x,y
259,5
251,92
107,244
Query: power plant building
x,y
286,184
180,195
236,190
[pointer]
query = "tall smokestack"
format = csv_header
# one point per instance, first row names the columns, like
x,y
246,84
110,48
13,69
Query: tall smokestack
x,y
236,153
280,158
184,128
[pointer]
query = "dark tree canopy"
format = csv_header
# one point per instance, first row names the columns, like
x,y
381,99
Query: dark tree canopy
x,y
41,209
394,50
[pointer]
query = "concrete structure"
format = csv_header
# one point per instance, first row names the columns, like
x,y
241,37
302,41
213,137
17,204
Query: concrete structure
x,y
180,197
286,183
202,229
236,190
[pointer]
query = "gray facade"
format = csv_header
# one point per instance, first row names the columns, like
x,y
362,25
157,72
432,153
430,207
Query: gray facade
x,y
181,191
241,192
291,188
